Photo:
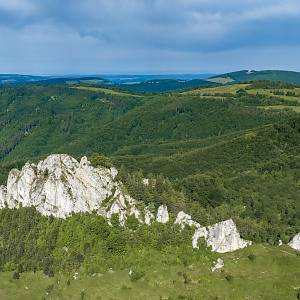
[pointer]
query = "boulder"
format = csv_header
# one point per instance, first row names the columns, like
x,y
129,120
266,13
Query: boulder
x,y
295,242
219,264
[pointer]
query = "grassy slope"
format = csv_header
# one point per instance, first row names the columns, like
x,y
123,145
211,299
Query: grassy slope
x,y
272,274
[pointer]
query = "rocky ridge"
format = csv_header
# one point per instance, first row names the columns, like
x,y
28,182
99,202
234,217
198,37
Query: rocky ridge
x,y
60,186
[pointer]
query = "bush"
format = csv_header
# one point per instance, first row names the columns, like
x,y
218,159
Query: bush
x,y
49,288
98,160
229,278
16,275
135,275
252,257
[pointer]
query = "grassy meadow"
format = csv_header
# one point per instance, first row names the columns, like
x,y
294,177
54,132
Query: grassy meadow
x,y
257,272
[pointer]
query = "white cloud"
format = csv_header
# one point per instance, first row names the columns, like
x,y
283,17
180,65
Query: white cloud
x,y
25,7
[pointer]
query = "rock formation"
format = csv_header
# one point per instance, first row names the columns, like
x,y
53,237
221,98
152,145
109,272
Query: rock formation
x,y
60,186
149,216
162,214
184,219
224,237
295,242
221,237
200,232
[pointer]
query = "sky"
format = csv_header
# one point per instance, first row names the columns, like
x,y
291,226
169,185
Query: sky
x,y
52,37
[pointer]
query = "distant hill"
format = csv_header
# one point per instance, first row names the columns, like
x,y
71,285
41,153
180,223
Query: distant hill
x,y
137,83
164,85
134,78
246,76
11,79
16,78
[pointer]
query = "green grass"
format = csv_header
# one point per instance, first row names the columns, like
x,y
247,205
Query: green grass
x,y
271,273
282,107
104,90
227,89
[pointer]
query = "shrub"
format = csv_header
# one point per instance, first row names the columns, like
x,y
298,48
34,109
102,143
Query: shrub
x,y
136,275
98,160
16,275
252,257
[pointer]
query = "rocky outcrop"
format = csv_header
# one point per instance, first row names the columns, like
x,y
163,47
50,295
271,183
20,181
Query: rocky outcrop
x,y
149,216
60,186
295,242
184,219
162,214
2,196
200,232
224,237
221,237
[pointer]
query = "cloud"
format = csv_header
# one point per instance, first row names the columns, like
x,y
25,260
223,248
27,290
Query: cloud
x,y
126,33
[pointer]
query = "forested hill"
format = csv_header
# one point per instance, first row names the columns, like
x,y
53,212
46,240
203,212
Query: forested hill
x,y
39,120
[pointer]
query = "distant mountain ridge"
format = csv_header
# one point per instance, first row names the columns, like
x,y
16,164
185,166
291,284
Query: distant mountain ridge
x,y
157,83
252,75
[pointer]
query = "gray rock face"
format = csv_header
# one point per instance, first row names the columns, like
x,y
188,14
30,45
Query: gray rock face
x,y
295,242
60,185
162,214
224,237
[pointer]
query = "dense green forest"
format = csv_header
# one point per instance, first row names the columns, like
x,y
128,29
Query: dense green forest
x,y
216,153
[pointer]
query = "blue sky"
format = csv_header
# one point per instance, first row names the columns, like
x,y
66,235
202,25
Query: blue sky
x,y
148,36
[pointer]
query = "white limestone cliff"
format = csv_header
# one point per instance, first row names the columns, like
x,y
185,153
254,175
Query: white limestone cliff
x,y
162,214
60,186
295,242
224,237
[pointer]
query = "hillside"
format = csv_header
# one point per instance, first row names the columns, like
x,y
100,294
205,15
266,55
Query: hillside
x,y
248,76
83,120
